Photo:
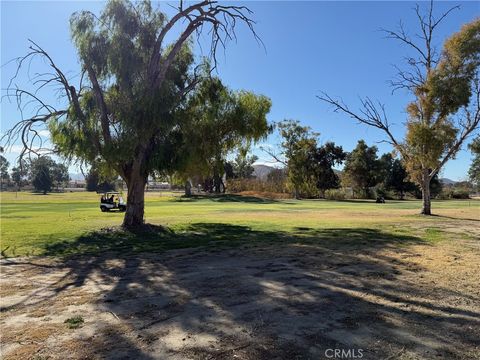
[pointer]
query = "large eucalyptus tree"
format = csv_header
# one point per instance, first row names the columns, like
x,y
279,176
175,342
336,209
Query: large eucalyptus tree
x,y
122,112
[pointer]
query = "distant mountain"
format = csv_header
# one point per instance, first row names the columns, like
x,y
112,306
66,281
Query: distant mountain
x,y
261,171
447,181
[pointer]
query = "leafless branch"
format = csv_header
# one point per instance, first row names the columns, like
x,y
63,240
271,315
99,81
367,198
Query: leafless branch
x,y
275,156
223,20
402,36
370,114
427,53
26,130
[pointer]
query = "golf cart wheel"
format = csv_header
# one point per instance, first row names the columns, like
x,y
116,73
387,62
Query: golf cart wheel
x,y
103,208
122,208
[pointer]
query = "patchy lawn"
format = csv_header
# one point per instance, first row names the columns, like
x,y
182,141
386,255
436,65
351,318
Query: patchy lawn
x,y
70,223
408,292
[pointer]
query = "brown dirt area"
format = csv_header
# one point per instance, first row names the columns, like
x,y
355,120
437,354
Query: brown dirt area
x,y
293,301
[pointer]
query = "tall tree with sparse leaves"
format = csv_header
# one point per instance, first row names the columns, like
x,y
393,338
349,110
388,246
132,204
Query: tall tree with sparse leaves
x,y
446,90
298,144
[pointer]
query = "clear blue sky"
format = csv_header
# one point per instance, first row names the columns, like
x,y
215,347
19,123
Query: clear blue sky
x,y
310,46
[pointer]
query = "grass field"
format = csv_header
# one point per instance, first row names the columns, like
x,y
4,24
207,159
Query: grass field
x,y
246,278
69,223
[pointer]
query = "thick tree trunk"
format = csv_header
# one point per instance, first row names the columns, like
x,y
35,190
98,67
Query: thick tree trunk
x,y
135,200
426,207
188,188
222,184
217,183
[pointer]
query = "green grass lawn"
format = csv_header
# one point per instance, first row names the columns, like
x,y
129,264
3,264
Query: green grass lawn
x,y
69,223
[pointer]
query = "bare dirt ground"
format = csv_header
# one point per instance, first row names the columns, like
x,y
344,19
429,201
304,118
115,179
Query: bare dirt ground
x,y
376,299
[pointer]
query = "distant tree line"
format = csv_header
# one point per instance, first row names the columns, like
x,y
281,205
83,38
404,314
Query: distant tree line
x,y
308,170
42,173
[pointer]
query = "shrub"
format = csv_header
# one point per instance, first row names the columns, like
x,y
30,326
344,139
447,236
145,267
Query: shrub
x,y
454,194
444,195
239,185
460,194
335,194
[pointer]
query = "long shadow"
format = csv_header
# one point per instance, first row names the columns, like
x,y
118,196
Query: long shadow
x,y
372,201
224,198
219,235
260,294
456,218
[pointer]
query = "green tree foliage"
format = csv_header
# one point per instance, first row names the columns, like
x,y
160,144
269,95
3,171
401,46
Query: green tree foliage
x,y
433,137
309,166
19,174
395,176
446,90
133,82
362,169
216,122
41,170
242,166
99,178
298,144
92,179
322,161
474,171
4,175
60,175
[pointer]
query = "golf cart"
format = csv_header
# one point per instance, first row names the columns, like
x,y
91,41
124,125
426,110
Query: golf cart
x,y
112,201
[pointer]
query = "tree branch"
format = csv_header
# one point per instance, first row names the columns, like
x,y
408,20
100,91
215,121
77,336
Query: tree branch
x,y
472,123
97,90
222,18
22,131
274,156
25,130
370,114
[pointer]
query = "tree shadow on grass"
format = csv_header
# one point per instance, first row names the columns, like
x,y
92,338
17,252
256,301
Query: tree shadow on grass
x,y
259,294
159,239
456,218
225,198
372,201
